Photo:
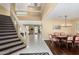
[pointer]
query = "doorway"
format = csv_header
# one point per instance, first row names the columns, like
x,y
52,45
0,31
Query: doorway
x,y
33,29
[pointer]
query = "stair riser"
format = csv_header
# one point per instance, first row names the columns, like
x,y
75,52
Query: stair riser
x,y
6,31
11,46
5,21
7,28
8,38
6,25
7,34
9,42
14,51
4,16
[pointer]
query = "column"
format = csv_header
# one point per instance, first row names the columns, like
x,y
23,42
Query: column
x,y
27,35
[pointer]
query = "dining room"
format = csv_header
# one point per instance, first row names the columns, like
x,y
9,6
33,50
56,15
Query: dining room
x,y
63,29
64,39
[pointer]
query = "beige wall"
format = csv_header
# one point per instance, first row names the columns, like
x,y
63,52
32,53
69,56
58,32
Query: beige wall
x,y
76,21
47,24
48,27
4,11
47,8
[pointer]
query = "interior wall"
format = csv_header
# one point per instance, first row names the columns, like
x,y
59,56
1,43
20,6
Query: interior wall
x,y
47,24
47,8
48,27
76,23
5,9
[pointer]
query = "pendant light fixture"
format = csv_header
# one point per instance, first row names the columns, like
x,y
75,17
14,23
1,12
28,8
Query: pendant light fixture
x,y
65,22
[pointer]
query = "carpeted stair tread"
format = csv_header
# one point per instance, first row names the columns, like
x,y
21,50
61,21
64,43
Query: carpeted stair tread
x,y
7,37
8,41
11,50
6,26
9,28
8,33
6,30
2,47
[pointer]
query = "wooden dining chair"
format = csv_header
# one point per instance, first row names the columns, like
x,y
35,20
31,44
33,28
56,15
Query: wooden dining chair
x,y
54,40
76,41
69,41
56,33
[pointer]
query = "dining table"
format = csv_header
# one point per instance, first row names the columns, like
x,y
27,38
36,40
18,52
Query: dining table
x,y
61,39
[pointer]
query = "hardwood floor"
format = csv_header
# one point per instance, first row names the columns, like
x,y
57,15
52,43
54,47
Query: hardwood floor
x,y
56,50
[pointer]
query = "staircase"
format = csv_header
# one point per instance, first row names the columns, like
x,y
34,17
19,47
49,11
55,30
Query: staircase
x,y
9,41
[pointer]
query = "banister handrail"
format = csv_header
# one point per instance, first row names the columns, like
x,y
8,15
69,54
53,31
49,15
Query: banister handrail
x,y
17,25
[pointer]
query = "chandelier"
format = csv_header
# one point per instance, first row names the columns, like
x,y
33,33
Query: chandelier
x,y
65,22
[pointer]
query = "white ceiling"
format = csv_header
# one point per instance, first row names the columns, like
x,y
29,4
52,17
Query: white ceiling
x,y
62,9
23,6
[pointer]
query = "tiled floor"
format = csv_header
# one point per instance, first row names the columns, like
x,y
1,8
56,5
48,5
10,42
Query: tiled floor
x,y
35,45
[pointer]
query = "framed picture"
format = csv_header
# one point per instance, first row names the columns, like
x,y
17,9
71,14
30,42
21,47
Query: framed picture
x,y
56,27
